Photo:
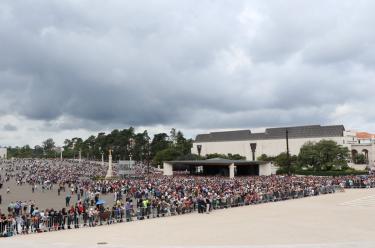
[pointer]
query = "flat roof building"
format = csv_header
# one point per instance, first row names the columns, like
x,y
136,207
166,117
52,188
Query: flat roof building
x,y
272,141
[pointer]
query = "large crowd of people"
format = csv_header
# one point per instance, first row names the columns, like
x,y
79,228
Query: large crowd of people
x,y
147,196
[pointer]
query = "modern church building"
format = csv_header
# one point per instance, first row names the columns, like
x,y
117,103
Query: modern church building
x,y
273,141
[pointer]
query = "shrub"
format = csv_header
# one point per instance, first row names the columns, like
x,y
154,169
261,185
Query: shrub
x,y
331,173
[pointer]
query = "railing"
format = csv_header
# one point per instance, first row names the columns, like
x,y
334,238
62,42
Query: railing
x,y
21,225
358,184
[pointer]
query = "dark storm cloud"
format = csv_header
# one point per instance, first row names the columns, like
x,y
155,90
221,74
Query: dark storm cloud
x,y
195,64
10,127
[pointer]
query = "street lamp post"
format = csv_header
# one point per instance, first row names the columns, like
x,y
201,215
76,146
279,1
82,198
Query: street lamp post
x,y
148,157
102,153
253,147
88,153
199,148
287,151
129,148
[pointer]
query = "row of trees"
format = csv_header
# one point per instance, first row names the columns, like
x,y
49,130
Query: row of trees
x,y
125,144
324,155
47,149
175,154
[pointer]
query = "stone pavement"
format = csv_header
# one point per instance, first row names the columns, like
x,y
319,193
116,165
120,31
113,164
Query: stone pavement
x,y
326,222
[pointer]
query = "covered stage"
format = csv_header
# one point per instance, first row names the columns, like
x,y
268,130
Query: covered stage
x,y
218,167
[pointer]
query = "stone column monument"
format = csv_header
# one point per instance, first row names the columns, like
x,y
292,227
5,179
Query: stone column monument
x,y
109,171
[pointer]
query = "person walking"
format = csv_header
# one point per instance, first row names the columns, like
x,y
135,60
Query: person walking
x,y
208,205
67,200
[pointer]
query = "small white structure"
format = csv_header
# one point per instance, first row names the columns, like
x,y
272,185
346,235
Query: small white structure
x,y
3,152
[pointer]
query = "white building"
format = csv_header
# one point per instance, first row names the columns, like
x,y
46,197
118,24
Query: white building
x,y
3,152
272,142
362,143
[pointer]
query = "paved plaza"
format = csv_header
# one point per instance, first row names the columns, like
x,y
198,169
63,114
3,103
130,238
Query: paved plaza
x,y
43,198
336,220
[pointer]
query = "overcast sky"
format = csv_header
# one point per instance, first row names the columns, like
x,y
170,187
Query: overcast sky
x,y
76,67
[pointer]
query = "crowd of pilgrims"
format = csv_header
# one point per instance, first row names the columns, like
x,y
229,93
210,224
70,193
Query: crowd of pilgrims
x,y
147,196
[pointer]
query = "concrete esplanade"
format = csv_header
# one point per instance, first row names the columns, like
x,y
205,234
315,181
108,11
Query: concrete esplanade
x,y
341,220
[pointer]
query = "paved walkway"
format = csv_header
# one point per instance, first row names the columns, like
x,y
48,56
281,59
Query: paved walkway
x,y
327,221
47,199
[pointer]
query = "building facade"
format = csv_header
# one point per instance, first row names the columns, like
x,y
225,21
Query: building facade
x,y
361,143
272,142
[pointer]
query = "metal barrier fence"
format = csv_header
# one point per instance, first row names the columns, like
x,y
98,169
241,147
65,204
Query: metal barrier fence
x,y
359,184
21,225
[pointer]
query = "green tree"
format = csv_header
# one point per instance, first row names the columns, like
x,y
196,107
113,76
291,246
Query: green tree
x,y
174,147
38,151
189,157
48,145
183,144
324,155
173,136
282,160
141,146
309,156
216,155
235,157
266,158
168,154
26,152
159,143
229,156
360,159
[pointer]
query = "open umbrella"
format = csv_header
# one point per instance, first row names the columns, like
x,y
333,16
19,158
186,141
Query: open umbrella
x,y
100,202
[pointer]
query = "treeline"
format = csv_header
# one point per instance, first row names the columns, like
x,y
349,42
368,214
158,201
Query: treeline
x,y
124,144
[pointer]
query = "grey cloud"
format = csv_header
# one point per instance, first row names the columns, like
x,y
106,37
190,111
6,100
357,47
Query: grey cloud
x,y
10,127
174,63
